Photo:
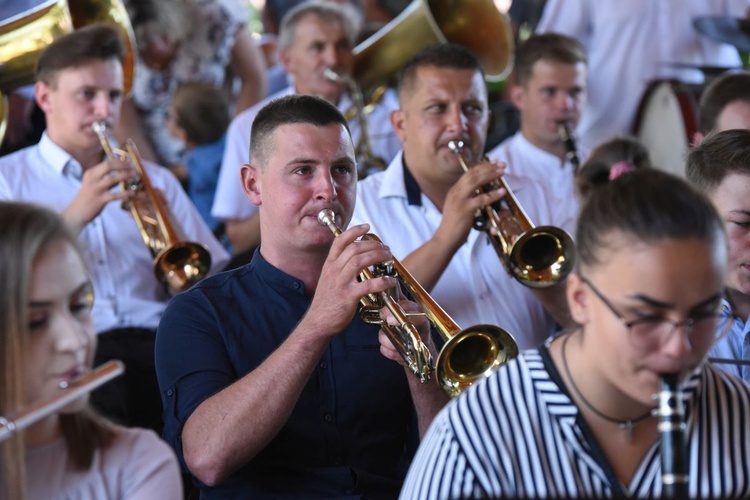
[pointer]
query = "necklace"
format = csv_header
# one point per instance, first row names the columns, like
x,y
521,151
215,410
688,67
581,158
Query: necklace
x,y
627,424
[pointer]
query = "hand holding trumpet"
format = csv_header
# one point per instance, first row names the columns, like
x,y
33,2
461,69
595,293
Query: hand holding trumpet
x,y
97,191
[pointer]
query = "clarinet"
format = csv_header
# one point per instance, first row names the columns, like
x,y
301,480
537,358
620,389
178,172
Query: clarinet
x,y
571,152
674,474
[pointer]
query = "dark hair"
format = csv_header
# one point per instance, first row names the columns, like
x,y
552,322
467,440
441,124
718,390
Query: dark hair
x,y
595,170
548,47
25,231
648,204
96,42
717,156
437,55
202,110
296,108
726,89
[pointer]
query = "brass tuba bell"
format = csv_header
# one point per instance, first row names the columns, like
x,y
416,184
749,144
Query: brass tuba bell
x,y
476,24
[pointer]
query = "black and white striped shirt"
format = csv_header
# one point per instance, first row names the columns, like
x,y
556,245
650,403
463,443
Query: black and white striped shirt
x,y
517,434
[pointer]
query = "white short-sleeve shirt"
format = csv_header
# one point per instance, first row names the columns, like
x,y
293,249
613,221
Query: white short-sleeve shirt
x,y
475,287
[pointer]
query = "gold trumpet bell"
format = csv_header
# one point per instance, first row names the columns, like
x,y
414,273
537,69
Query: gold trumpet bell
x,y
472,354
542,257
182,265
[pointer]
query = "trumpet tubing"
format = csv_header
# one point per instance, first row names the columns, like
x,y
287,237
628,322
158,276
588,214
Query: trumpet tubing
x,y
467,355
536,256
177,264
404,337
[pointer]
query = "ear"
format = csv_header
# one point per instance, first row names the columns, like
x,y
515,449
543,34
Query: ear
x,y
397,122
42,96
250,177
285,60
517,94
578,298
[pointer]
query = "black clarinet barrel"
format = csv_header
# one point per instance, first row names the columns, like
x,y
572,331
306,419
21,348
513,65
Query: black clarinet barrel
x,y
674,473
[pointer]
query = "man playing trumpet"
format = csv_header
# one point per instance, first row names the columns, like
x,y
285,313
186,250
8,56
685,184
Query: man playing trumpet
x,y
423,205
272,384
80,82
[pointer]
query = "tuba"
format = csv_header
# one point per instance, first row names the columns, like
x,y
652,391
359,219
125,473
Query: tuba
x,y
538,257
177,264
466,356
68,393
24,36
476,24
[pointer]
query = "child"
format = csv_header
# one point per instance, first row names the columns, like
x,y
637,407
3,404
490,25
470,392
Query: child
x,y
199,116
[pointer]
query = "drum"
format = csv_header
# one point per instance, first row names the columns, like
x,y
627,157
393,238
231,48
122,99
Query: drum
x,y
666,122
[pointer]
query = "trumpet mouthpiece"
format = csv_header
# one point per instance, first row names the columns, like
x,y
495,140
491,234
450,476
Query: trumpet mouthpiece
x,y
456,146
326,217
99,127
332,75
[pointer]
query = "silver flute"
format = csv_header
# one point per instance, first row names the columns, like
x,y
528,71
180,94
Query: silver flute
x,y
68,393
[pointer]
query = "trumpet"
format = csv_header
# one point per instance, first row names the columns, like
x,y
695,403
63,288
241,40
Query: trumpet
x,y
538,257
571,151
177,264
466,356
68,393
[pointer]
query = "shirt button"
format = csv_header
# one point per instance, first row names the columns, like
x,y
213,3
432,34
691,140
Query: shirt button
x,y
323,365
295,285
170,392
327,417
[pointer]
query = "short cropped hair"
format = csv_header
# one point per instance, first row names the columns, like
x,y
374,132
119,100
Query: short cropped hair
x,y
437,55
648,205
717,156
323,9
202,111
726,89
96,42
552,47
291,109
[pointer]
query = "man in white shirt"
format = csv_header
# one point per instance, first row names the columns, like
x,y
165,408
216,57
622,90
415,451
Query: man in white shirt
x,y
79,82
632,43
549,88
423,205
314,37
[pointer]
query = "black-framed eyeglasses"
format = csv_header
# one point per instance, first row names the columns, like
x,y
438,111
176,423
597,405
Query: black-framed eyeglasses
x,y
652,332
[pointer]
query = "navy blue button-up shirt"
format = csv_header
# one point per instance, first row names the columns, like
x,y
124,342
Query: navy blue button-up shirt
x,y
353,428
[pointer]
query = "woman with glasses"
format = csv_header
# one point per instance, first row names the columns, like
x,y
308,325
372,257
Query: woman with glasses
x,y
47,342
575,417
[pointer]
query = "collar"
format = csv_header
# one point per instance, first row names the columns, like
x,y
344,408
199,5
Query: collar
x,y
397,181
274,276
58,159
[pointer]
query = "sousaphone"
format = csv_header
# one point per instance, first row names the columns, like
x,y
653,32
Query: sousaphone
x,y
476,24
